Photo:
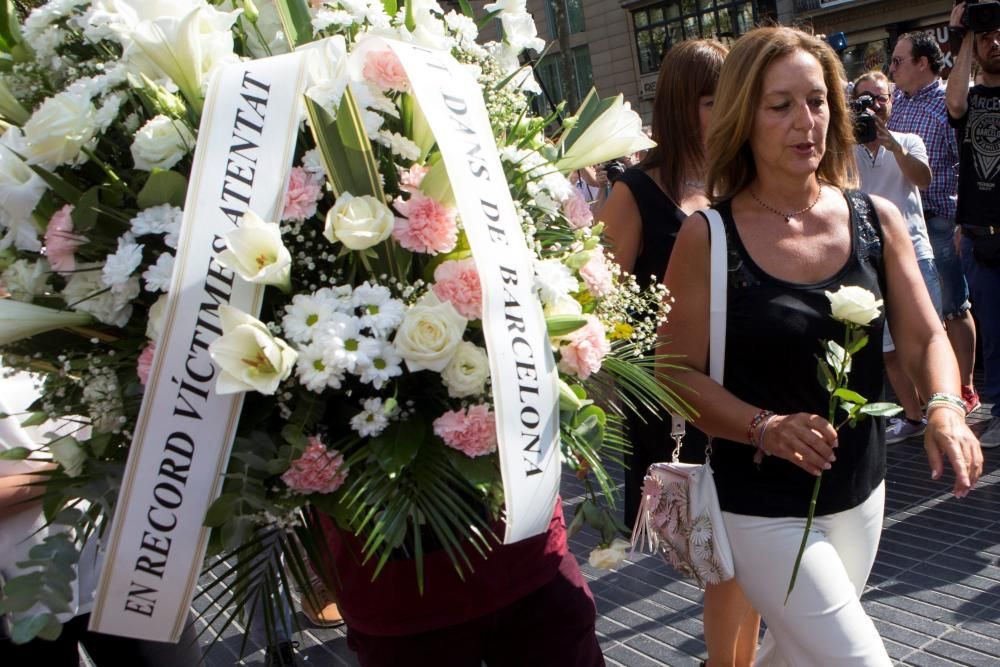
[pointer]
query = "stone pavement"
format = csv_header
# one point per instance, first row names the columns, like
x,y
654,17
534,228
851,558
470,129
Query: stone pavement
x,y
934,593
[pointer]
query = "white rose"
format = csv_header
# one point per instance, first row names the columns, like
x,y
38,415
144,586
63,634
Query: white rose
x,y
161,143
430,334
68,453
610,557
154,323
358,222
254,250
250,357
466,373
854,304
57,131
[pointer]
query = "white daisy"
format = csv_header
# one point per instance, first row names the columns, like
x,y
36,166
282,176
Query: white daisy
x,y
554,280
315,370
157,276
384,364
379,311
372,420
307,314
340,296
349,348
121,264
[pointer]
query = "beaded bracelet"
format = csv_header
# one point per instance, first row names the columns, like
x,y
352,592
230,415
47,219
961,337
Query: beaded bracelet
x,y
758,457
754,423
948,400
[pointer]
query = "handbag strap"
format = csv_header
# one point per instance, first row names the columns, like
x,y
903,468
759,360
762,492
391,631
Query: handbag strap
x,y
716,321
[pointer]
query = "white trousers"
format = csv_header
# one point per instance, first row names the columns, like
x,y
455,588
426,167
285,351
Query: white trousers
x,y
823,624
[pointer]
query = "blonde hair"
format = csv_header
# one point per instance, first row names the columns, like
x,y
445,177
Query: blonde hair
x,y
731,166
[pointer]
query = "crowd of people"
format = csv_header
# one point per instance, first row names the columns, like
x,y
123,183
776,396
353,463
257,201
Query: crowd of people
x,y
764,134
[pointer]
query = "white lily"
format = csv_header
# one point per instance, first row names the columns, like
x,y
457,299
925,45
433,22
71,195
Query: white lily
x,y
614,132
250,357
256,253
22,320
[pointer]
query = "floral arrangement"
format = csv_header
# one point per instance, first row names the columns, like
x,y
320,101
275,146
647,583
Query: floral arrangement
x,y
366,375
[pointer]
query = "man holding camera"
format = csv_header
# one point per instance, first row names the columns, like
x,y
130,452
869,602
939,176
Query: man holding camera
x,y
894,165
975,114
919,108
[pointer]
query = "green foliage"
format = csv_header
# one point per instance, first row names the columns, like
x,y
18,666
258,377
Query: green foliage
x,y
163,187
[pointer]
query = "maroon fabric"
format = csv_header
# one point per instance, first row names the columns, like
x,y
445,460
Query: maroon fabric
x,y
392,606
554,625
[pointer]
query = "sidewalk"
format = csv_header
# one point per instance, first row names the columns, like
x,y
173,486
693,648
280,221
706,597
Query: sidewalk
x,y
934,593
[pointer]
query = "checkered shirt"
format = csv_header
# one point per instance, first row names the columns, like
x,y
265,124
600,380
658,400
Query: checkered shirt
x,y
925,114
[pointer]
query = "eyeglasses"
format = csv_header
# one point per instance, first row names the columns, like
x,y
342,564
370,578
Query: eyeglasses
x,y
881,99
897,61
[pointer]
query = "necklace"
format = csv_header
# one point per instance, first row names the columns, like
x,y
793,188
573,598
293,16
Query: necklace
x,y
794,214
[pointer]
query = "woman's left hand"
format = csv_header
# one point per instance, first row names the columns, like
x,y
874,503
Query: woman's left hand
x,y
948,435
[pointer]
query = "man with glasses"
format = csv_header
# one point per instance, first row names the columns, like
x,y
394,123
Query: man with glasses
x,y
975,114
919,108
894,165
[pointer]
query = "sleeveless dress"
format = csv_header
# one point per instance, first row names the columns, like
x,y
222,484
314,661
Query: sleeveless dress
x,y
773,334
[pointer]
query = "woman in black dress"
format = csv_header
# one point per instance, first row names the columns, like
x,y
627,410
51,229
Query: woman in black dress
x,y
642,215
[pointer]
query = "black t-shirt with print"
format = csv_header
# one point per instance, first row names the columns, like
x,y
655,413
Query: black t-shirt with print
x,y
979,157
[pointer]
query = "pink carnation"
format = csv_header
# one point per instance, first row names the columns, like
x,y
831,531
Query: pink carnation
x,y
427,226
60,241
471,432
597,274
458,281
145,363
384,70
586,349
318,470
410,179
577,210
304,190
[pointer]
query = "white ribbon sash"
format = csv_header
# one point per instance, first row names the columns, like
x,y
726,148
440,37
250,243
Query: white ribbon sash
x,y
525,382
185,431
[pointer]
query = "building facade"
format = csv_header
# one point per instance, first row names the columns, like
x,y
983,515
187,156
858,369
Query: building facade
x,y
617,45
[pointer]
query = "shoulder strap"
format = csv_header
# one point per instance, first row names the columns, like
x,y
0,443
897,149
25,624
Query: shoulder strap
x,y
717,313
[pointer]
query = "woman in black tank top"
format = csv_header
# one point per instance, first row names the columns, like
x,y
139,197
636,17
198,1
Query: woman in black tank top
x,y
780,155
647,205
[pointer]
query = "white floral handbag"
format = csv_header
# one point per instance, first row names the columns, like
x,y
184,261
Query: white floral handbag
x,y
679,515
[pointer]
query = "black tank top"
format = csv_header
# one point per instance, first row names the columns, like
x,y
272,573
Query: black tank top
x,y
773,334
661,220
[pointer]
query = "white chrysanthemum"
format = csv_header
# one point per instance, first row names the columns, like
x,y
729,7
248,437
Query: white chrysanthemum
x,y
341,296
337,18
85,291
399,145
379,311
372,420
558,186
312,162
121,264
309,313
163,219
554,280
107,113
316,370
349,348
385,364
25,280
158,275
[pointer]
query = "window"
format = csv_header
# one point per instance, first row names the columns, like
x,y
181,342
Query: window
x,y
574,16
549,72
660,26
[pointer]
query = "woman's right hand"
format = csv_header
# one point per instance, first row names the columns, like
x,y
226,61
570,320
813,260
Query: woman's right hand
x,y
806,440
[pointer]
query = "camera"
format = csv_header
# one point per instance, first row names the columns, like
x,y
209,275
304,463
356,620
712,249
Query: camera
x,y
614,170
865,130
981,15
